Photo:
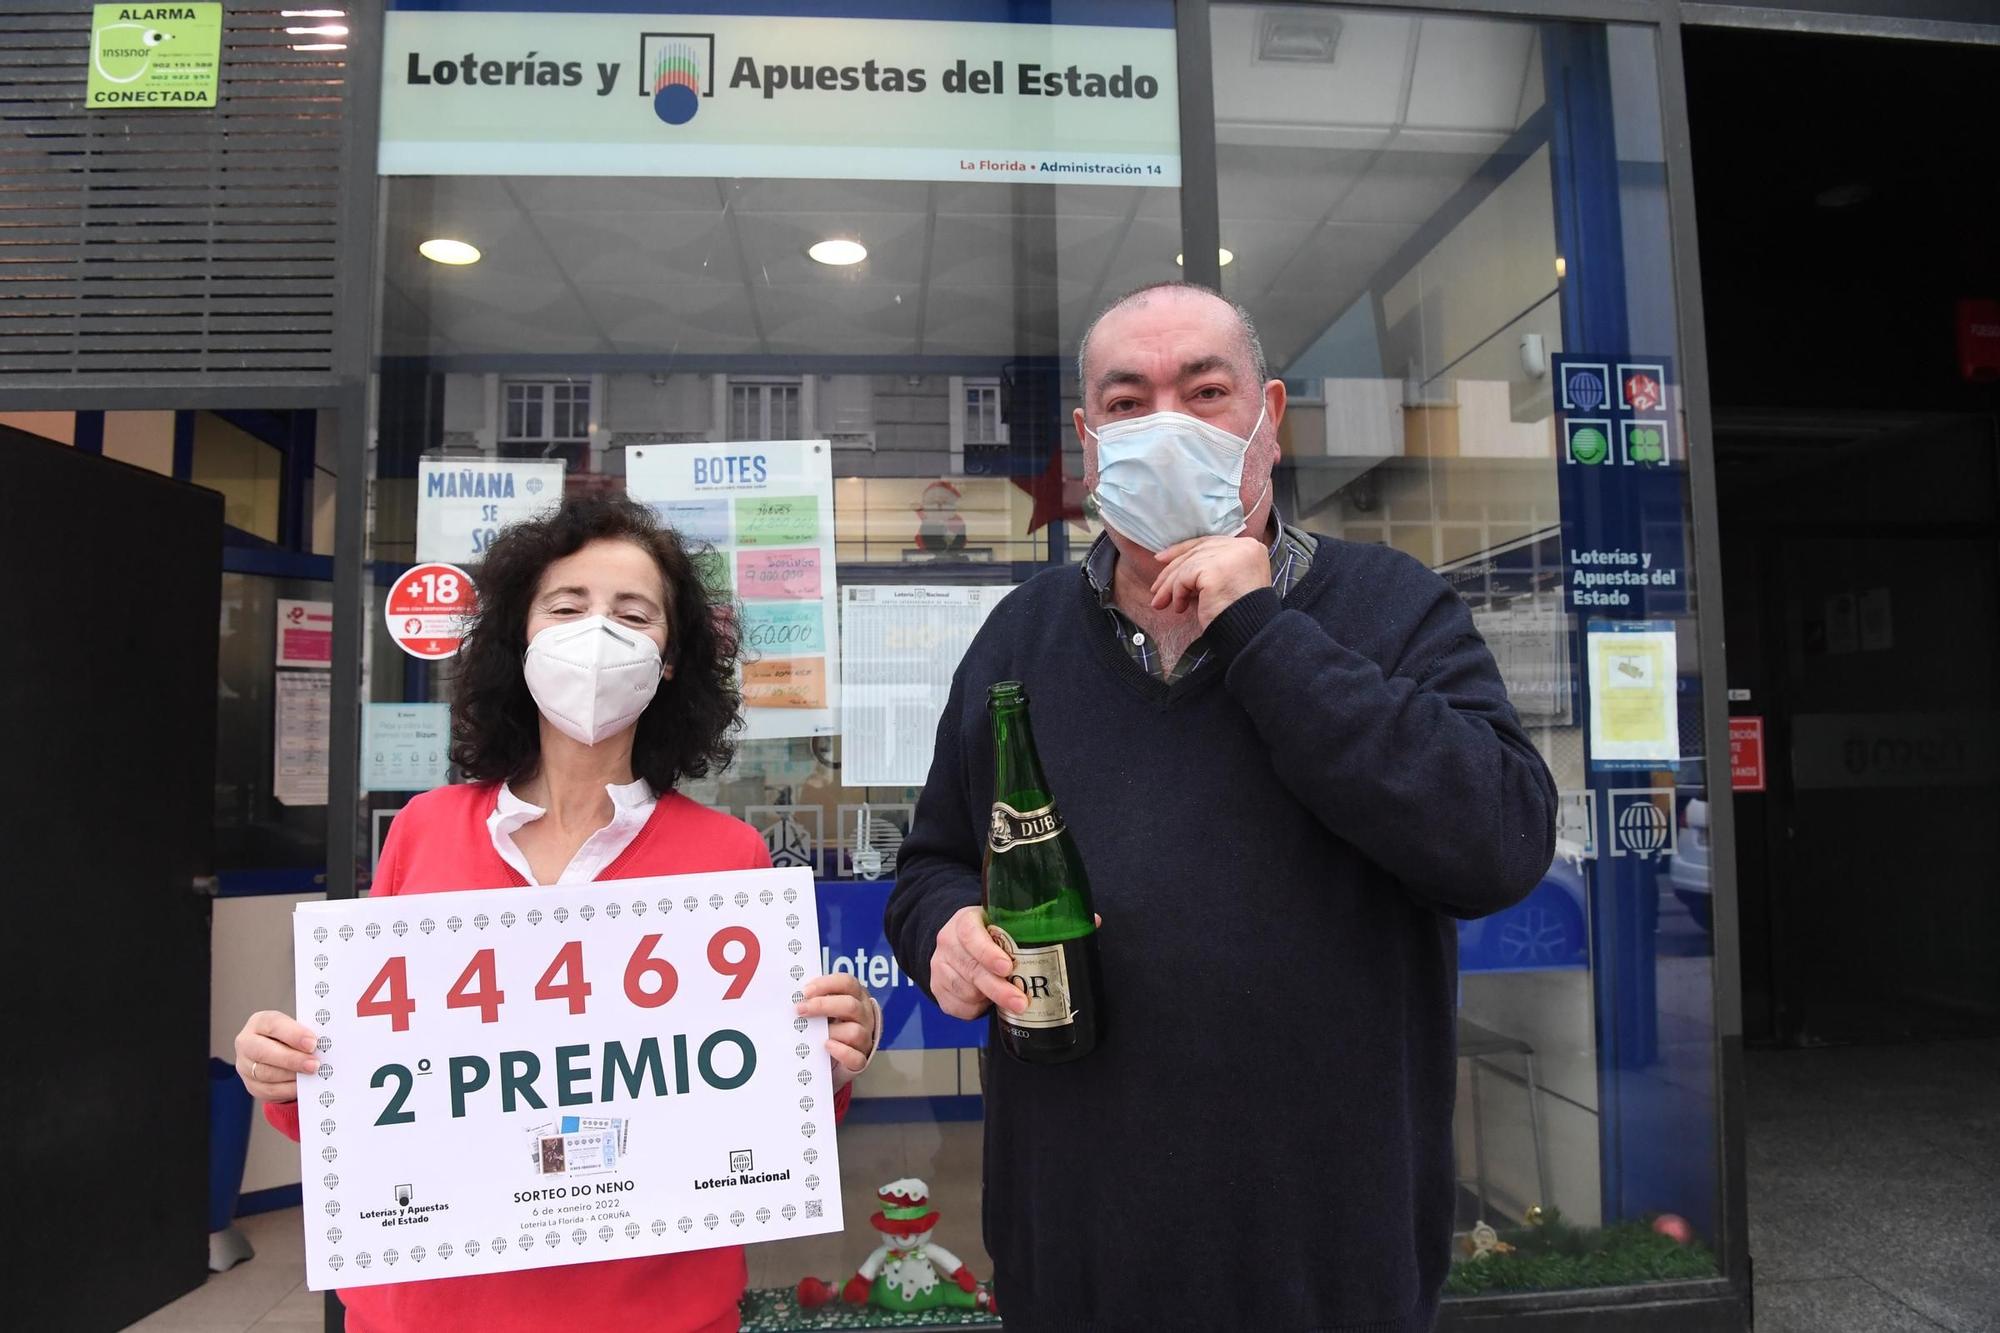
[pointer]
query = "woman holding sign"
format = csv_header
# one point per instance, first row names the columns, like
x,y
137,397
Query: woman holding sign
x,y
598,675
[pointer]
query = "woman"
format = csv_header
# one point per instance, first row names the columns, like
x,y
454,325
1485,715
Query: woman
x,y
598,675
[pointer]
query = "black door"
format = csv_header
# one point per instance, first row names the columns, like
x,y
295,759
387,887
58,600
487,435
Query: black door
x,y
107,678
1863,595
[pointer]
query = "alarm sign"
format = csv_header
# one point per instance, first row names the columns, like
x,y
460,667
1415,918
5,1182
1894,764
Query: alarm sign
x,y
428,608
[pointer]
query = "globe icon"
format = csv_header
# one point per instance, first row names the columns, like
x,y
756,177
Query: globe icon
x,y
1586,389
1642,827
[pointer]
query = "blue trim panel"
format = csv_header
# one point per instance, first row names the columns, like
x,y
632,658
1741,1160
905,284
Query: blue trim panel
x,y
241,557
270,883
1065,13
1656,1142
270,1200
913,1110
89,434
183,446
301,463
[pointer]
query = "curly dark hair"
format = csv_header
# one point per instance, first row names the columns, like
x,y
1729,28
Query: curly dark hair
x,y
684,732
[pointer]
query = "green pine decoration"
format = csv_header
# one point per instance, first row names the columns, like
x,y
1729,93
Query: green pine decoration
x,y
777,1310
1556,1255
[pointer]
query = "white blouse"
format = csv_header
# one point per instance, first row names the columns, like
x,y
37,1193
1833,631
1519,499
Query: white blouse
x,y
631,806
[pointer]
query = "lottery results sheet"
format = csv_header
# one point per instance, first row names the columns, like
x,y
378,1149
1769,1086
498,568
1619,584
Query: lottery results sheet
x,y
524,1078
760,515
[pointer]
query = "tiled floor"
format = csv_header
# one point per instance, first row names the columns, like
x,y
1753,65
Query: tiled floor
x,y
1874,1201
268,1292
1875,1188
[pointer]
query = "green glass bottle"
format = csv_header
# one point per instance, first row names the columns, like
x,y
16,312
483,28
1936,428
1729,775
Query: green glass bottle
x,y
1038,899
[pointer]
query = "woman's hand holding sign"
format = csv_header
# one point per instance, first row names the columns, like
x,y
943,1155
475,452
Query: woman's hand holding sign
x,y
853,1022
271,1051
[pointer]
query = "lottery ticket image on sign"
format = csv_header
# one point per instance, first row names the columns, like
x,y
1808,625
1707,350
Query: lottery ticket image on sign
x,y
524,1078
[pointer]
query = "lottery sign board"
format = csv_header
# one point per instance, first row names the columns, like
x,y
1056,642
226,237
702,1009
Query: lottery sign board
x,y
525,1078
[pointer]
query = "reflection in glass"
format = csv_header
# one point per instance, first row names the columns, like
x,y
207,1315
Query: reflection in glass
x,y
1426,212
612,313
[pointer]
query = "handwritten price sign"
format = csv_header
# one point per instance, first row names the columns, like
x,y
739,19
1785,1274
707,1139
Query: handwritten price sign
x,y
523,1078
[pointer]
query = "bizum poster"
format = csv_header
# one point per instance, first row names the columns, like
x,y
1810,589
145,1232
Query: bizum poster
x,y
494,87
760,514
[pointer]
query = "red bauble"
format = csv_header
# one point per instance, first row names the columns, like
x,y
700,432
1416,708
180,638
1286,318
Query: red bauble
x,y
1674,1227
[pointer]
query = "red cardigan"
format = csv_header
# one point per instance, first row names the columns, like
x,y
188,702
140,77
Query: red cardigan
x,y
439,842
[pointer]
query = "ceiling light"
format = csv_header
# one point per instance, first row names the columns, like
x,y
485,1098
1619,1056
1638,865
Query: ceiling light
x,y
1293,38
444,250
1562,268
1224,257
838,252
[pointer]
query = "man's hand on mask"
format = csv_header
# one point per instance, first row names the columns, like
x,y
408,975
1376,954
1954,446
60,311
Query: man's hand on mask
x,y
1209,574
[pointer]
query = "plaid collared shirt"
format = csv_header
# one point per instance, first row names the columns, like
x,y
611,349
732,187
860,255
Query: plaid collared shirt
x,y
1291,557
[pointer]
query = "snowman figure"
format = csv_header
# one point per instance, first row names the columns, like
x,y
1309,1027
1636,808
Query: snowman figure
x,y
907,1272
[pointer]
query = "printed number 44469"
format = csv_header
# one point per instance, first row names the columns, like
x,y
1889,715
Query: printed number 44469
x,y
649,982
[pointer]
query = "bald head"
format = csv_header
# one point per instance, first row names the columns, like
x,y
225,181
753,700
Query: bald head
x,y
1239,341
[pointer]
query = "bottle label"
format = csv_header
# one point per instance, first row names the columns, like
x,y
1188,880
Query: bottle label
x,y
1012,828
1041,972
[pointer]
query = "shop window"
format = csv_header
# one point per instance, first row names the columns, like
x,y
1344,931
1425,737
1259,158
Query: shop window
x,y
1428,244
983,424
549,417
764,410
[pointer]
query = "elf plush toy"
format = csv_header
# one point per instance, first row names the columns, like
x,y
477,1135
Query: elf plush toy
x,y
907,1271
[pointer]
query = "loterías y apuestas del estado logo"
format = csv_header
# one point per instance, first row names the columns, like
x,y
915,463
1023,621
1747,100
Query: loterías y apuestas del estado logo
x,y
676,74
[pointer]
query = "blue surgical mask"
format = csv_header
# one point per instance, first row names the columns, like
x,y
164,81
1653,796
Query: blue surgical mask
x,y
1169,477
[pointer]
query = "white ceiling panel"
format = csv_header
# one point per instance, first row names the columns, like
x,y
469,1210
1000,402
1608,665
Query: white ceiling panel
x,y
1364,86
774,247
1408,187
971,251
553,195
809,320
1262,248
1470,72
644,247
1147,255
969,321
1291,183
836,197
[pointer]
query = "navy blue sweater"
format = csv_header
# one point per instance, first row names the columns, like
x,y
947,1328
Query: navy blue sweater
x,y
1278,844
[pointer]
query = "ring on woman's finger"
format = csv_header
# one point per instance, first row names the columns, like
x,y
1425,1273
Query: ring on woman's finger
x,y
253,1072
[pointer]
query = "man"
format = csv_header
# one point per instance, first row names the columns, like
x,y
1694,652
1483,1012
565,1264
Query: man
x,y
1289,763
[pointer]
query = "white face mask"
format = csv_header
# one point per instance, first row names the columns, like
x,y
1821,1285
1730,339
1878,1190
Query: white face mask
x,y
591,678
1168,477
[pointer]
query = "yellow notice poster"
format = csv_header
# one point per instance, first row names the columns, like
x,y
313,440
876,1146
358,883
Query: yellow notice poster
x,y
1634,718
